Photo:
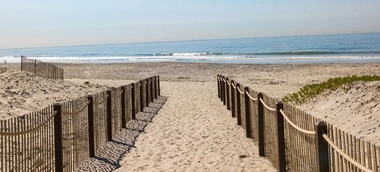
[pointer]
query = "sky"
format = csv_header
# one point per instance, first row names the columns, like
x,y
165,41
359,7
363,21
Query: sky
x,y
42,23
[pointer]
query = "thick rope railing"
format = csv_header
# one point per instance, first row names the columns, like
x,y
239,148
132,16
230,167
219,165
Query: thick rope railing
x,y
241,92
31,130
344,155
233,85
78,111
101,102
250,97
294,125
266,106
228,82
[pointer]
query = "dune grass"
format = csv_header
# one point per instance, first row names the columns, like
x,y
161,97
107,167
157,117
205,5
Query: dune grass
x,y
310,91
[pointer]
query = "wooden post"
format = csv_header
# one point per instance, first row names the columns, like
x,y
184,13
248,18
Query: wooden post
x,y
109,116
147,92
133,100
225,91
154,88
247,113
238,105
233,102
141,96
123,111
321,147
137,101
260,120
159,88
58,138
222,89
228,94
280,138
91,137
150,90
217,82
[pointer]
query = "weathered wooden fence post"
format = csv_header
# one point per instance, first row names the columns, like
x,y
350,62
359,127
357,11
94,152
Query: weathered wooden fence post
x,y
133,100
217,82
123,109
221,89
109,115
154,90
151,90
233,102
280,138
321,147
238,104
147,98
159,88
91,137
228,94
224,90
58,149
247,113
142,105
260,120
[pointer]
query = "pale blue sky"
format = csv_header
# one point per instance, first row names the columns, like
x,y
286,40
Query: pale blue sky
x,y
45,23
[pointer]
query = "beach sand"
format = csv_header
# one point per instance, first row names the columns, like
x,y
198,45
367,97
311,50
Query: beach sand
x,y
193,130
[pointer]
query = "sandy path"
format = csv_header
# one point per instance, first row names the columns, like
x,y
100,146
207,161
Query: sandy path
x,y
193,132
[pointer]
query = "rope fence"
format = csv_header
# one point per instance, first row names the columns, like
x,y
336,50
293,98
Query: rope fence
x,y
62,136
292,139
266,106
294,125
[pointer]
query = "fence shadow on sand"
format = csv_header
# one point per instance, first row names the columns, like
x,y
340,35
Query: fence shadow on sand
x,y
109,156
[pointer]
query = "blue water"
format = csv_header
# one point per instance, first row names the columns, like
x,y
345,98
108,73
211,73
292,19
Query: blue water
x,y
345,48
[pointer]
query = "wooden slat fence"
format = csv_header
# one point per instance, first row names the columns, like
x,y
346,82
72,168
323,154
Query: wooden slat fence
x,y
41,69
27,142
292,139
62,136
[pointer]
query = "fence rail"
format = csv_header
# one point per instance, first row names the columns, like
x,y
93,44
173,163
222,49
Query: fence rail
x,y
41,69
292,139
62,136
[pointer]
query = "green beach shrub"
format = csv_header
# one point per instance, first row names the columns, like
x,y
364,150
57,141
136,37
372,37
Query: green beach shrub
x,y
310,91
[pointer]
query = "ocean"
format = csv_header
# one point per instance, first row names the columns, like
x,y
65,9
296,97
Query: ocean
x,y
344,48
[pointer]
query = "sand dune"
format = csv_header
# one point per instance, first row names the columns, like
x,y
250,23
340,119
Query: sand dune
x,y
22,93
356,111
